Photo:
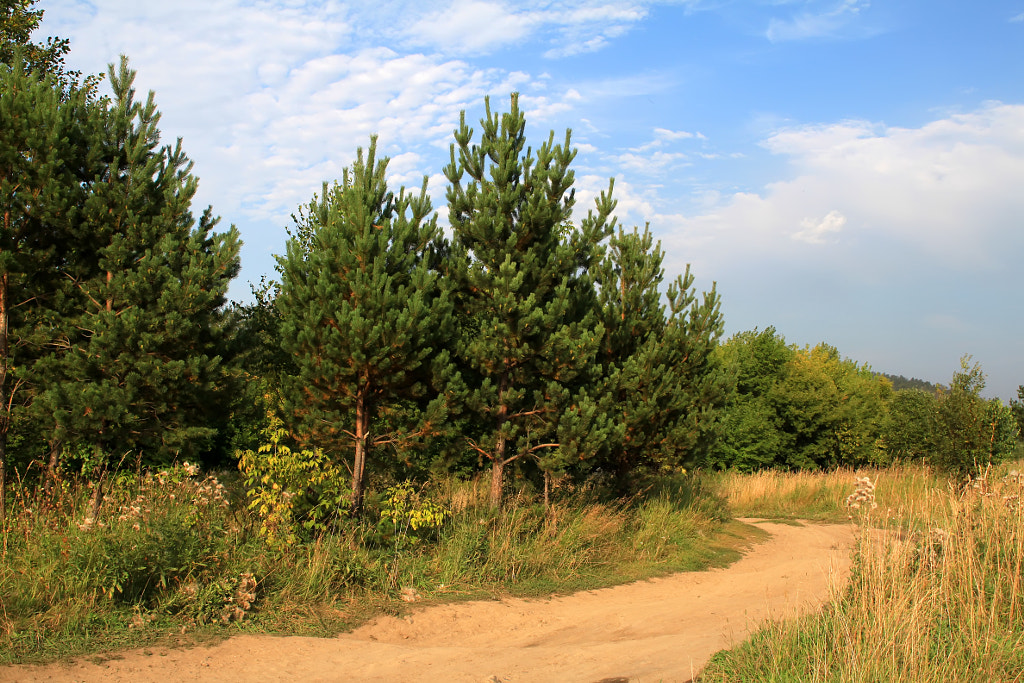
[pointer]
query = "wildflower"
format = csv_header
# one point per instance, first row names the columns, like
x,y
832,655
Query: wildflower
x,y
239,604
136,526
87,524
190,469
863,494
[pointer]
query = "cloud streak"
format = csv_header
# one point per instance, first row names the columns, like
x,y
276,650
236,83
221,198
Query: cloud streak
x,y
826,23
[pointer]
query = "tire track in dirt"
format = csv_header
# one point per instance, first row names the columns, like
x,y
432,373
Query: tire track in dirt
x,y
664,629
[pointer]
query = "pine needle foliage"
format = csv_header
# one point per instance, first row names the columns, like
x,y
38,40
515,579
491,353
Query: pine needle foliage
x,y
661,387
529,334
134,366
364,316
120,286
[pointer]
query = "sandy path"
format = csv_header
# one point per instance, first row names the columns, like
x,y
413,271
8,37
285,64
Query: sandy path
x,y
660,630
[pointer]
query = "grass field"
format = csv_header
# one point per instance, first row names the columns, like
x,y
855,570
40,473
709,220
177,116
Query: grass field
x,y
936,593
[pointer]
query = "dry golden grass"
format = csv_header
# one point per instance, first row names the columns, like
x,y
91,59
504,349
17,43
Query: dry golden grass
x,y
817,495
936,593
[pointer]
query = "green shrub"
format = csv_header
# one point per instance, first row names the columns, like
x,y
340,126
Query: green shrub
x,y
295,493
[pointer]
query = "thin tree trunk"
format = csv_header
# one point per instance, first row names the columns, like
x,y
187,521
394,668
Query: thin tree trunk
x,y
3,477
51,466
497,478
359,466
5,403
498,461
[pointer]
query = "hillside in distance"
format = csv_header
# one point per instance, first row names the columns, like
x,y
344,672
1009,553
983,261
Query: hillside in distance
x,y
900,382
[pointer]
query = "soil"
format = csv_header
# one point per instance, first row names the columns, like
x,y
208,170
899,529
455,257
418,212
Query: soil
x,y
665,629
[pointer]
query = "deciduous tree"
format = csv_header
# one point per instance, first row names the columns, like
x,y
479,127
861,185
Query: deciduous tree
x,y
975,431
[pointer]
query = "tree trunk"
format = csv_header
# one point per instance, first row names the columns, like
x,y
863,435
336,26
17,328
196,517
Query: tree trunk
x,y
359,466
498,460
497,480
3,478
5,403
51,466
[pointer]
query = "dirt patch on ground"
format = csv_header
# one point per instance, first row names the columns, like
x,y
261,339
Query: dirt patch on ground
x,y
659,630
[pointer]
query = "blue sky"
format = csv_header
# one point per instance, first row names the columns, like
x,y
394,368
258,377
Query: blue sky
x,y
849,172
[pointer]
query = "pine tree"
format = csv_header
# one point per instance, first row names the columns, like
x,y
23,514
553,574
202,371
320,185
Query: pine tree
x,y
661,385
135,369
43,172
364,316
529,336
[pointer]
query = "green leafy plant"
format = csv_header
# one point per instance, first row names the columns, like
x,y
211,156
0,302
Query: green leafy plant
x,y
292,491
406,516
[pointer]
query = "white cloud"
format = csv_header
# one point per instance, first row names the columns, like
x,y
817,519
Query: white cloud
x,y
591,28
814,232
948,191
330,106
634,204
472,26
482,26
634,85
672,135
1017,18
649,163
663,137
821,24
539,108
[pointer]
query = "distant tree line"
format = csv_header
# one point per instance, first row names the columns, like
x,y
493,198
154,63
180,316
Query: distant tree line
x,y
899,382
528,348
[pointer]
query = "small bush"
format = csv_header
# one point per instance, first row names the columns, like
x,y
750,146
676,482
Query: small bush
x,y
296,494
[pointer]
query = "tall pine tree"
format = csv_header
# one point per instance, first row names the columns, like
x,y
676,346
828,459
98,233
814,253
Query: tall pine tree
x,y
364,316
135,368
44,173
529,335
661,388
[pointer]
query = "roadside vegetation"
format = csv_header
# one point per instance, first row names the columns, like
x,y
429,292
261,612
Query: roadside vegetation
x,y
936,591
179,558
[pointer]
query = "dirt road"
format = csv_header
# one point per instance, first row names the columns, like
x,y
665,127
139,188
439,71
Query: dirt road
x,y
660,630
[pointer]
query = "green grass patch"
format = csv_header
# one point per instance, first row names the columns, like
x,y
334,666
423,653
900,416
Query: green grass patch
x,y
176,558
